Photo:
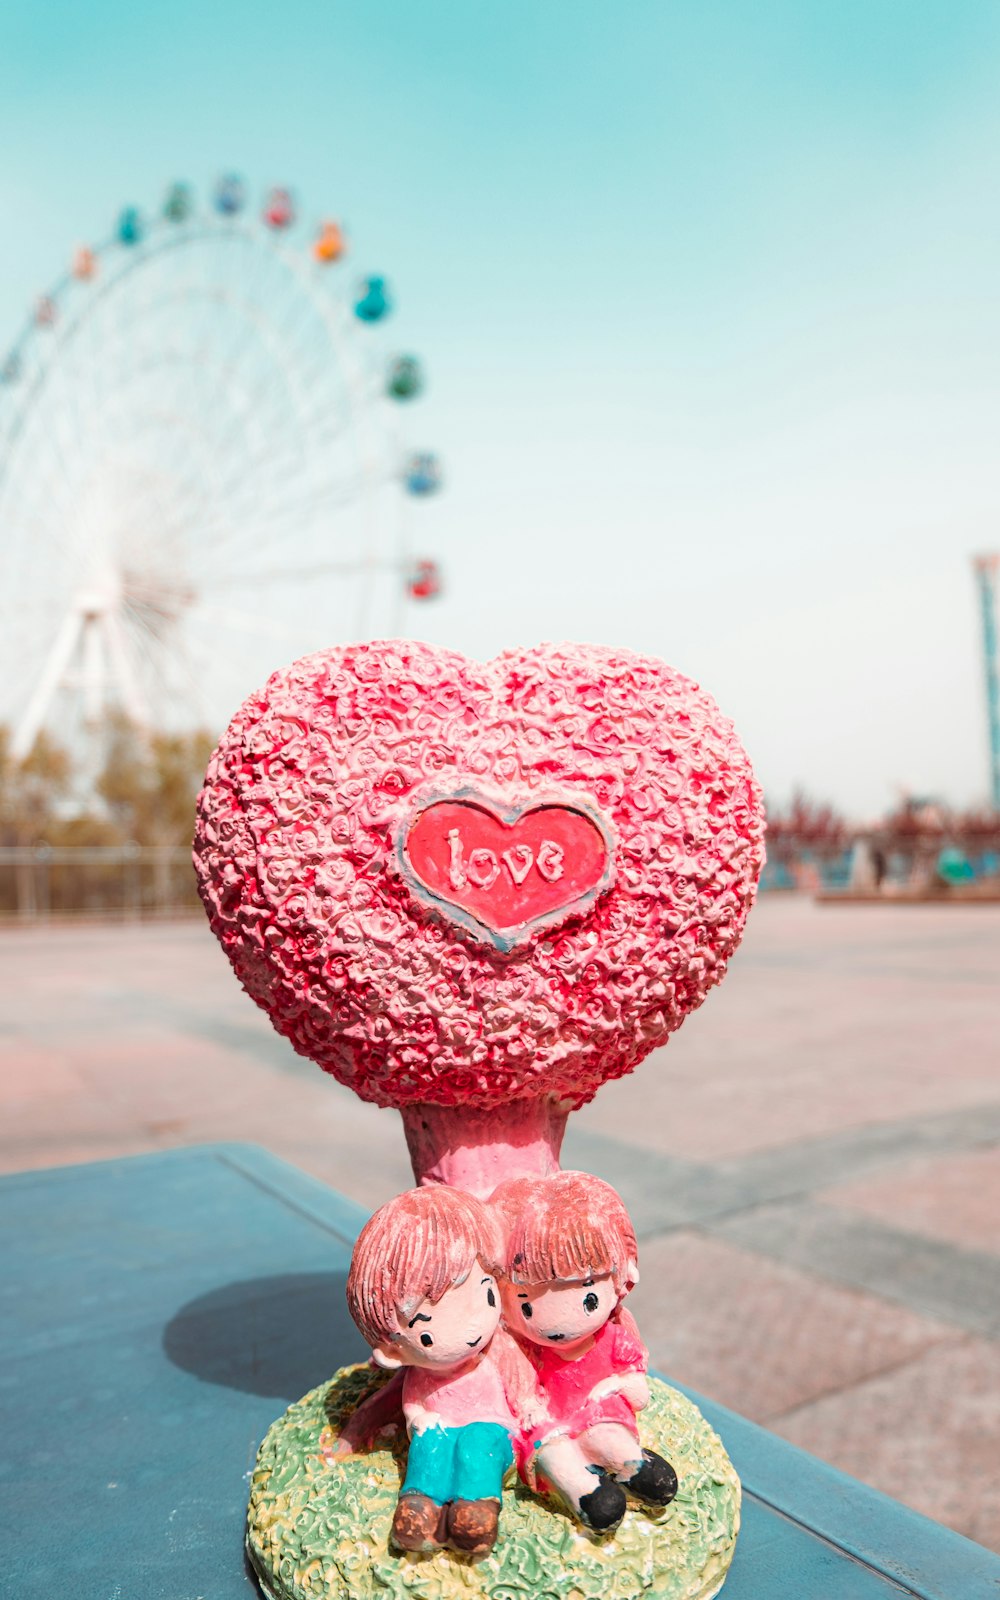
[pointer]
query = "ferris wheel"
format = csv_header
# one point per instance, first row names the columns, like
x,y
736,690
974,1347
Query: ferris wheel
x,y
201,468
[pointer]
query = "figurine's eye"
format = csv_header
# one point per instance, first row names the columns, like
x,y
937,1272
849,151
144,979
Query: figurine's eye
x,y
491,1298
426,1340
526,1309
590,1302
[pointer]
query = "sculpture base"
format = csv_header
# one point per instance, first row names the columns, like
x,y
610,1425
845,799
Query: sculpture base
x,y
319,1527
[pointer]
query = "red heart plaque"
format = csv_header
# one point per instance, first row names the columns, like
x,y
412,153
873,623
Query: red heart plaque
x,y
504,874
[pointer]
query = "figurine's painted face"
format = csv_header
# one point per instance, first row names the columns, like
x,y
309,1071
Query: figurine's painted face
x,y
456,1328
560,1315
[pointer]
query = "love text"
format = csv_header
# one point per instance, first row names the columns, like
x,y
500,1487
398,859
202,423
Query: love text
x,y
481,867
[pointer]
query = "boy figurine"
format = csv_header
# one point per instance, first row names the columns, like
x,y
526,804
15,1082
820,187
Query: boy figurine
x,y
423,1290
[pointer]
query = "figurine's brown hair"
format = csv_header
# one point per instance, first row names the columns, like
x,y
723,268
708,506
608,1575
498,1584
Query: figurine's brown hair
x,y
416,1248
564,1228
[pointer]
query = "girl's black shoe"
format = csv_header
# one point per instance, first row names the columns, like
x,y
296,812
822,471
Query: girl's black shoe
x,y
655,1482
604,1507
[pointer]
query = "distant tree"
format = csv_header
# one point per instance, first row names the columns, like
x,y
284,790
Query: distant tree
x,y
916,819
32,789
979,828
149,783
805,824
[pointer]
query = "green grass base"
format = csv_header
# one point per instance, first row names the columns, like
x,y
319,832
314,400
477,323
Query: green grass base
x,y
319,1529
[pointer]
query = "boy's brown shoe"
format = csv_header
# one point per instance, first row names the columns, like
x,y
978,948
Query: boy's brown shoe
x,y
473,1525
418,1523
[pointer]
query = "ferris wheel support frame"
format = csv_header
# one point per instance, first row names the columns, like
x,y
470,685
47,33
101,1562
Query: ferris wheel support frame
x,y
91,634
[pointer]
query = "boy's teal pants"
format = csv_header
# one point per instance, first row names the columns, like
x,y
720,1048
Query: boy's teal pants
x,y
458,1463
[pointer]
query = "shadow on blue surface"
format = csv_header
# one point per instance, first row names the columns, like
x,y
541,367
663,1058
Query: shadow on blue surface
x,y
266,1336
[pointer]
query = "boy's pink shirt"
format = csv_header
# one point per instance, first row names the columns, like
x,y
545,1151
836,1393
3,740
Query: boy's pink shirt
x,y
473,1393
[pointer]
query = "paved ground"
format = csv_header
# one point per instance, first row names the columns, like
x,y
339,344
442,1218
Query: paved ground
x,y
813,1164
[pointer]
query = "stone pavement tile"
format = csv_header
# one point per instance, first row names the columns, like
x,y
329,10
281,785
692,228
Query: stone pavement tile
x,y
959,1286
314,1123
927,1433
835,1066
75,1151
955,1198
762,1337
149,1089
663,1190
76,1110
829,1018
30,1072
143,1079
808,1165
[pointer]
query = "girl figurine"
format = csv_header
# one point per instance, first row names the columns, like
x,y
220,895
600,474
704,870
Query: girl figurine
x,y
423,1290
570,1260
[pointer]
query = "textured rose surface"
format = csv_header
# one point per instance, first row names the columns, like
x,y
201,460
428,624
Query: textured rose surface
x,y
298,863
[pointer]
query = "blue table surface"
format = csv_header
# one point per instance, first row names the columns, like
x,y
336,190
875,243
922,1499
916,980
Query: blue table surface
x,y
156,1315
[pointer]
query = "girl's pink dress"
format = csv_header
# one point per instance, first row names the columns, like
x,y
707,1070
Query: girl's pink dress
x,y
566,1386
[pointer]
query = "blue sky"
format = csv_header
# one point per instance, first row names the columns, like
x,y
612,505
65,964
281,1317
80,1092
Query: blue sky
x,y
707,293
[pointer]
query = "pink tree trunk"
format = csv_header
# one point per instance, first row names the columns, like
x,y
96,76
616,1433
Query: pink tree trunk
x,y
475,1149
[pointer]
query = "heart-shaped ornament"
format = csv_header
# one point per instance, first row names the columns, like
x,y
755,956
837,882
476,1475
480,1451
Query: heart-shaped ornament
x,y
505,874
467,883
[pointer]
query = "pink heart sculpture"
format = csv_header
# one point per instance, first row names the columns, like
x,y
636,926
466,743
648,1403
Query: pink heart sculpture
x,y
308,853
